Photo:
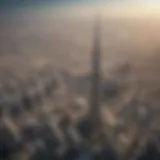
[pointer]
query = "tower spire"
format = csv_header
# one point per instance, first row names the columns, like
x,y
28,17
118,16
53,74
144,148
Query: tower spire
x,y
92,123
95,88
95,102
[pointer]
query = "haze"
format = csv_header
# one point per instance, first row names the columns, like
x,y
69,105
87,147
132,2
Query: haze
x,y
45,78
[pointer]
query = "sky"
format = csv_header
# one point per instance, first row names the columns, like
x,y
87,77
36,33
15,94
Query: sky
x,y
118,5
100,2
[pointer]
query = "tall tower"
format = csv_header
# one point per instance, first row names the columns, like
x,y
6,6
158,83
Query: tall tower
x,y
91,126
94,101
95,84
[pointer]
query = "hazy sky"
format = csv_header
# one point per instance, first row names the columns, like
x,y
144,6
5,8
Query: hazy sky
x,y
135,2
123,5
